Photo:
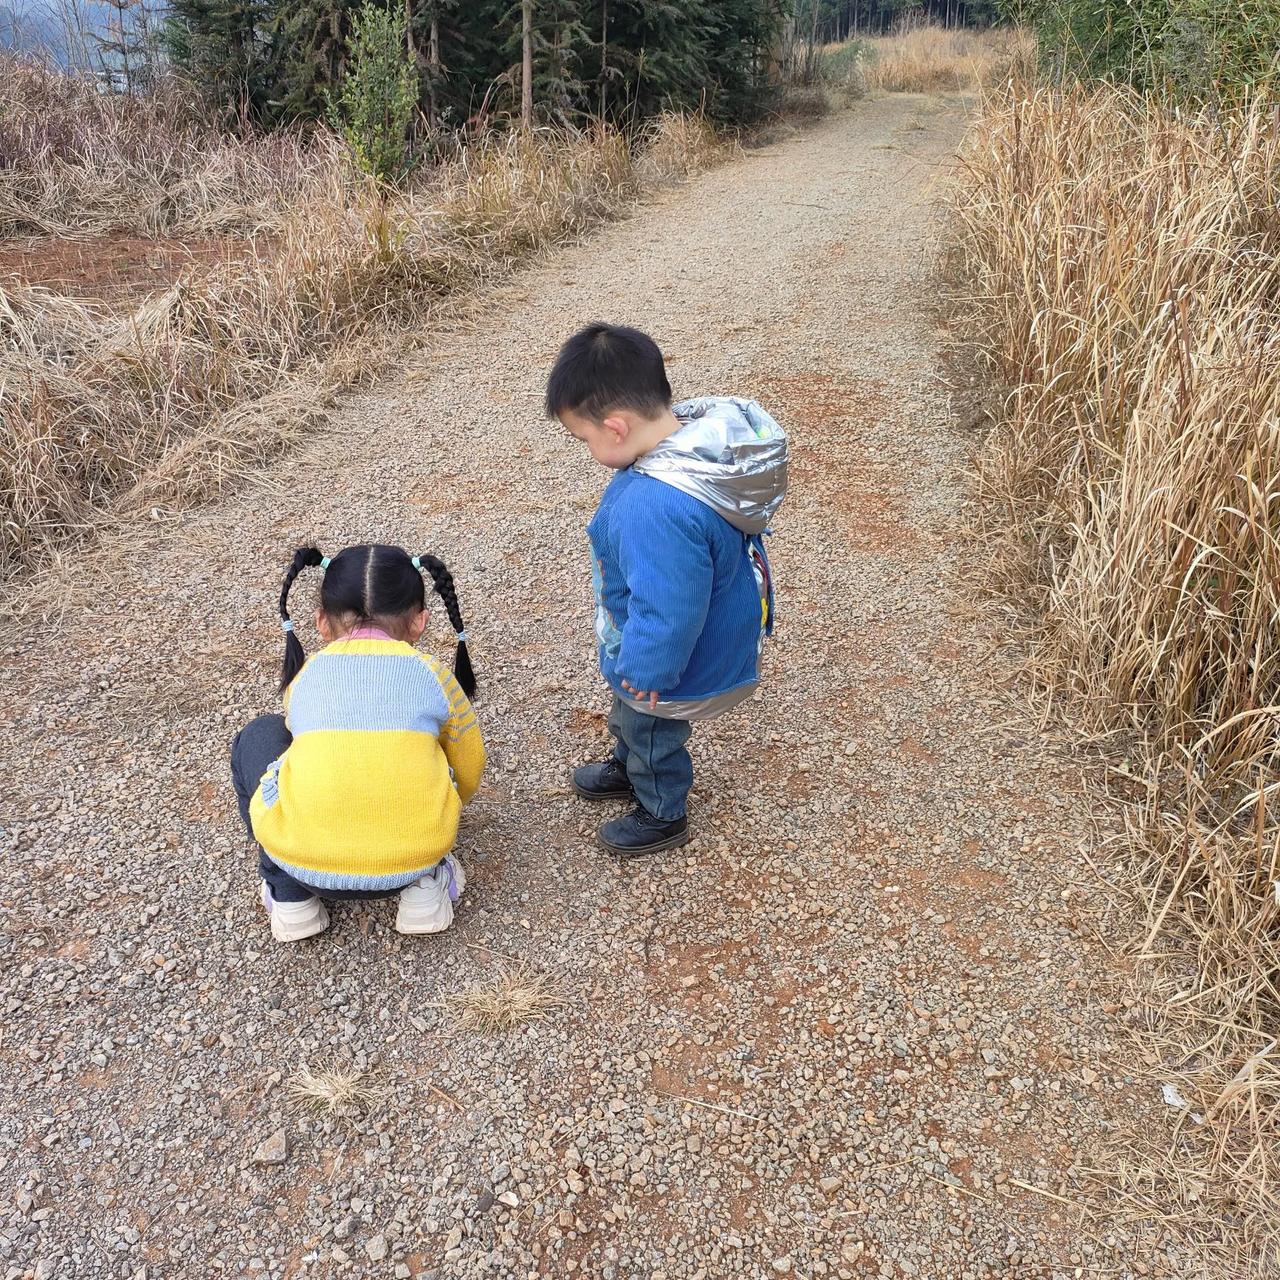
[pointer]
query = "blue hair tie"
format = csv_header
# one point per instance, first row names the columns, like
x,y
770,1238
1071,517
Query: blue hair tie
x,y
416,561
287,624
325,562
462,637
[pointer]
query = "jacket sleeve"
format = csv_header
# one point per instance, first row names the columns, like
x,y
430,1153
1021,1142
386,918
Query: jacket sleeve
x,y
460,736
666,561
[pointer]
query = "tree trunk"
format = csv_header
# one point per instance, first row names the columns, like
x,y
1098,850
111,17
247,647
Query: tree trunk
x,y
433,61
526,79
604,55
124,52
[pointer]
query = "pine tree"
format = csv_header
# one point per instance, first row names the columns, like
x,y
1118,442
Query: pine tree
x,y
314,35
556,45
709,53
124,51
474,55
267,61
230,49
526,63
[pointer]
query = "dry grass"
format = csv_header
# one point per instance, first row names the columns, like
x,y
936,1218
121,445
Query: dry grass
x,y
804,102
330,1091
1120,267
517,994
678,145
930,59
106,409
75,160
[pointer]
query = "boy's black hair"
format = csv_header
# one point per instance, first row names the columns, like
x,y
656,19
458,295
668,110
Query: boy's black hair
x,y
373,582
605,367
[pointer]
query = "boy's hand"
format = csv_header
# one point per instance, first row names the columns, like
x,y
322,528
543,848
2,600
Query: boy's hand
x,y
640,694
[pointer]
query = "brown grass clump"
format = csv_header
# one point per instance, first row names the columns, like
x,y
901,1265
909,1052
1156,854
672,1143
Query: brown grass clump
x,y
677,145
155,407
804,102
931,59
76,160
517,994
332,1091
1119,266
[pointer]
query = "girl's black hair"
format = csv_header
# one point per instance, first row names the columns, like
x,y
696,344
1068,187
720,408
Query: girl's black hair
x,y
373,582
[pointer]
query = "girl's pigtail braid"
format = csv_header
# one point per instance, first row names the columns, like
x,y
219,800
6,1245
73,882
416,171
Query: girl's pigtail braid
x,y
442,580
293,652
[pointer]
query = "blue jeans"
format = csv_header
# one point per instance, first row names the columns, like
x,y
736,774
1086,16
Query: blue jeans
x,y
256,747
655,757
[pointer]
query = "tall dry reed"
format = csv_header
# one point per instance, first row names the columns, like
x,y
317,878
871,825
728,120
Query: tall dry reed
x,y
932,59
158,405
1121,281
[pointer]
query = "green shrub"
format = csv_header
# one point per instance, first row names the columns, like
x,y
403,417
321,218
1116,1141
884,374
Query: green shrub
x,y
841,62
1191,49
379,92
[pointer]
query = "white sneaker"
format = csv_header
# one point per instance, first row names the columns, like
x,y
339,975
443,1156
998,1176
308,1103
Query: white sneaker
x,y
293,921
426,905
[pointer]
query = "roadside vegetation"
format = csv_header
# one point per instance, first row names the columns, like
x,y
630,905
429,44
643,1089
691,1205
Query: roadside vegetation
x,y
145,405
931,59
1116,230
310,247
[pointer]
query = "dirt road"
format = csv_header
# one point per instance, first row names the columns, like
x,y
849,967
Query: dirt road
x,y
852,1030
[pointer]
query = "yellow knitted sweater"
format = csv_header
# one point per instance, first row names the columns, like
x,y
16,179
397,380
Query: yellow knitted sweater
x,y
386,751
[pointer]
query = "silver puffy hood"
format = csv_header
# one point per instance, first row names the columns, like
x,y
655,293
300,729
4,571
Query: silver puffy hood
x,y
728,453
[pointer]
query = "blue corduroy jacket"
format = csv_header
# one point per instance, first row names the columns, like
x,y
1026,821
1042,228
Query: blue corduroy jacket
x,y
677,602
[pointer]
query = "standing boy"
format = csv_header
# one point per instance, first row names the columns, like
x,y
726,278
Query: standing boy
x,y
683,594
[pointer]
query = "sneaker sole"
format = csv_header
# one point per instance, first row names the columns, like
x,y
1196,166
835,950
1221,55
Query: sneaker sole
x,y
298,933
640,851
411,919
601,795
435,923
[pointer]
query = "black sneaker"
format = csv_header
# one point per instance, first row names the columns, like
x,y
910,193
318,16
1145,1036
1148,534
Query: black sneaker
x,y
602,781
639,832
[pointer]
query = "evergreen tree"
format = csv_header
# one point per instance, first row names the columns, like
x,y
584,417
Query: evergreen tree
x,y
475,61
230,49
272,60
314,35
429,25
558,45
124,50
700,53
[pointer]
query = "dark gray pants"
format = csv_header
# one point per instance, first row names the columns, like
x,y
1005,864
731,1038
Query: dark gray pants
x,y
255,747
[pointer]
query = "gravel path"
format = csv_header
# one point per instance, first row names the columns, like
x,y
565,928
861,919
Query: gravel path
x,y
852,1030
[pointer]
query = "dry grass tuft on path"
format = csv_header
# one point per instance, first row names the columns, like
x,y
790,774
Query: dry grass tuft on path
x,y
518,993
152,408
331,1090
1119,266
